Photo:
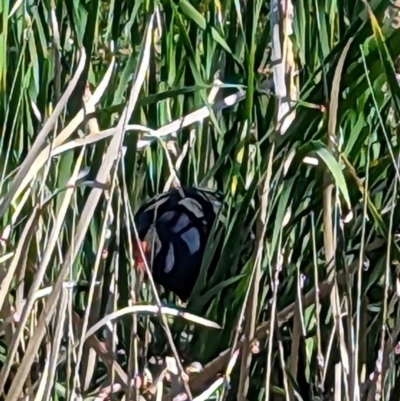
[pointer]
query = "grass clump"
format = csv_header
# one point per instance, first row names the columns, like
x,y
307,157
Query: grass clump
x,y
291,112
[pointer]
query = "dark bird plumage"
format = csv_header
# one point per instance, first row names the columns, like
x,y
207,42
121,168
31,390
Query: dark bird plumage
x,y
173,229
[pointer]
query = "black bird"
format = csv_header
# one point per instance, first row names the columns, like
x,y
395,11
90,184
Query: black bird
x,y
173,229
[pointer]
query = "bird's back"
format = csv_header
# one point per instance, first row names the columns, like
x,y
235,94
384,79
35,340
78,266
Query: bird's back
x,y
175,226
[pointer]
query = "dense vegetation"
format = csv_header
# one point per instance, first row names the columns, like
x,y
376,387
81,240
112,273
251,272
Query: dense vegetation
x,y
292,112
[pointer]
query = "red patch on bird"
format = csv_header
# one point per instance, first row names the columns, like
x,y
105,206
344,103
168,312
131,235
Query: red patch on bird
x,y
137,254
